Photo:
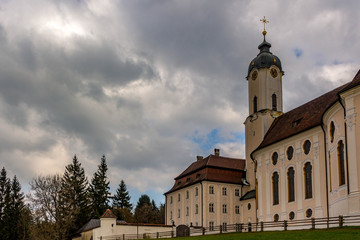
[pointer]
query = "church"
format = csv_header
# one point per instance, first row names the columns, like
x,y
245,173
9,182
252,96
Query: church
x,y
299,164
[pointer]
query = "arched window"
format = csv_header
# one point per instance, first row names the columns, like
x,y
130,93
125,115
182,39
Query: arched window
x,y
340,150
332,131
255,104
274,102
291,184
275,182
308,180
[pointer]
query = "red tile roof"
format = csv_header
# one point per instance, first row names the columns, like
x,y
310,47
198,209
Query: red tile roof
x,y
304,117
211,168
108,214
214,161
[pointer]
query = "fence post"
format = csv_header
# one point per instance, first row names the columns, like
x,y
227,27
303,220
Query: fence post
x,y
327,222
241,227
157,235
312,223
123,236
261,226
203,230
221,229
341,221
285,225
100,237
172,233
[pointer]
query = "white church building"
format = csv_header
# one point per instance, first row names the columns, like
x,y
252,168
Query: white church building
x,y
299,164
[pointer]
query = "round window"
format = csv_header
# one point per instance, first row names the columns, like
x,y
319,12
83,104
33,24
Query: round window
x,y
307,146
274,158
308,213
276,217
291,215
290,153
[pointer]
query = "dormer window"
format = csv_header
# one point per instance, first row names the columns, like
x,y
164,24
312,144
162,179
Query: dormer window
x,y
296,122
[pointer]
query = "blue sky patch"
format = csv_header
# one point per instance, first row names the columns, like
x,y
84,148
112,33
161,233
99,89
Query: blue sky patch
x,y
209,140
298,52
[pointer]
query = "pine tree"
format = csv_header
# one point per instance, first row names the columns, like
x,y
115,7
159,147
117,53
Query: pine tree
x,y
5,191
99,190
122,197
74,200
3,183
16,209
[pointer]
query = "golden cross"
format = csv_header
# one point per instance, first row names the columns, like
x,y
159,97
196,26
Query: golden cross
x,y
265,22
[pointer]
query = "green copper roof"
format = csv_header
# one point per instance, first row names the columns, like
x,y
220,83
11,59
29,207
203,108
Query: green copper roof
x,y
265,58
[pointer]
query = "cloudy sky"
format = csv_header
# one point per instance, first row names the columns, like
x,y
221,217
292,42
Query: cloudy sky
x,y
152,84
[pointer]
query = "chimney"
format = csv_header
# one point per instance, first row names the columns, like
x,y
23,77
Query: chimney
x,y
217,151
198,158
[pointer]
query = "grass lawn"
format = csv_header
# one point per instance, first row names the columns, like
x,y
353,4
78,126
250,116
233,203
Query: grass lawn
x,y
350,233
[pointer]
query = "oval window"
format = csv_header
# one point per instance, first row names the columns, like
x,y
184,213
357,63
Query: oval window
x,y
290,153
274,158
276,217
307,146
308,213
291,215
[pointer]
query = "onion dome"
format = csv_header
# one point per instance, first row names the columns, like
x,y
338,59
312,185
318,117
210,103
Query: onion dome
x,y
265,58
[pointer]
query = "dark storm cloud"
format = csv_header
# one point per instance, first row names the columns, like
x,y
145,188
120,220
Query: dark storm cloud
x,y
137,80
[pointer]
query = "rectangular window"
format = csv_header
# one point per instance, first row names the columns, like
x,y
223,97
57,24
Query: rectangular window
x,y
179,197
196,209
170,215
187,211
211,189
237,192
187,194
224,191
211,207
211,226
224,207
178,213
170,199
237,210
196,191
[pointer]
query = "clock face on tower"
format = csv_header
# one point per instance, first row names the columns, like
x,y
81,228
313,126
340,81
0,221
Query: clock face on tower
x,y
254,75
273,73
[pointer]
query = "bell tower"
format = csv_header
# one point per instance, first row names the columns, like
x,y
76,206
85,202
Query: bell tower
x,y
265,100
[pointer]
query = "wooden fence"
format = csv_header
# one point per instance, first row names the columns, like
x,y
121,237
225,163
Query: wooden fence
x,y
310,223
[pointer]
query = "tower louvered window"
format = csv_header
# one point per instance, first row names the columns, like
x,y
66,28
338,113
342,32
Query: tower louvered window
x,y
274,102
255,104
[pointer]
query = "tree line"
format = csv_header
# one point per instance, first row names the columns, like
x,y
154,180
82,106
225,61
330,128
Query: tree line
x,y
57,206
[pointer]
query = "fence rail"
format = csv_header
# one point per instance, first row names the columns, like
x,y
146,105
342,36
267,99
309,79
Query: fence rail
x,y
310,223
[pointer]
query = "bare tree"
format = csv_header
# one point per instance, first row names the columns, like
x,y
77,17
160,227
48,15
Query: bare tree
x,y
44,201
